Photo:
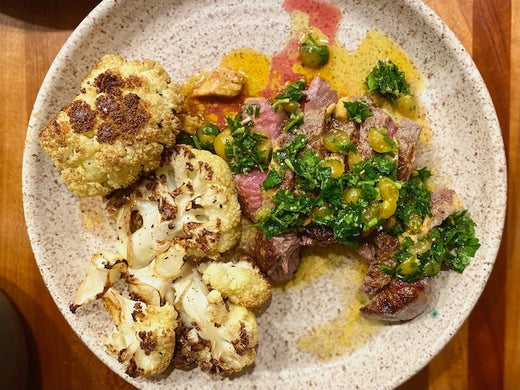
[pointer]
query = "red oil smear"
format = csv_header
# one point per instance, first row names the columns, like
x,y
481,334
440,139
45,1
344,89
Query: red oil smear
x,y
281,67
322,15
215,112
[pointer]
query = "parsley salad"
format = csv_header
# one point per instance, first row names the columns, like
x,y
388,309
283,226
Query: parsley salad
x,y
351,181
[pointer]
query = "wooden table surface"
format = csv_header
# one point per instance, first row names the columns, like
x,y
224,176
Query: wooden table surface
x,y
484,354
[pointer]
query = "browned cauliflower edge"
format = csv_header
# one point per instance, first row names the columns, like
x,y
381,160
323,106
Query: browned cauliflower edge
x,y
144,335
117,128
191,201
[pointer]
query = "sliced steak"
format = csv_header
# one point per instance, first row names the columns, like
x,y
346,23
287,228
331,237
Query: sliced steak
x,y
267,121
317,236
378,249
347,127
407,135
443,202
319,95
270,123
390,299
249,192
314,126
379,120
399,301
277,257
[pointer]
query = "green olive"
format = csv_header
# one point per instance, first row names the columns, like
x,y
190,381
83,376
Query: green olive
x,y
370,213
351,195
353,158
223,142
206,135
407,106
336,141
262,212
337,167
409,266
380,142
313,54
322,211
420,247
389,194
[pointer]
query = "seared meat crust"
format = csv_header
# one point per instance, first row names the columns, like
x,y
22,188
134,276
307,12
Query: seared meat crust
x,y
278,257
399,301
390,299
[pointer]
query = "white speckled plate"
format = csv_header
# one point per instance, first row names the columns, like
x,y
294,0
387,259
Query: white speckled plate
x,y
187,36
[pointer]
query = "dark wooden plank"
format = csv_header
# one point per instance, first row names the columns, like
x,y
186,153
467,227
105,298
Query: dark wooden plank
x,y
491,48
512,335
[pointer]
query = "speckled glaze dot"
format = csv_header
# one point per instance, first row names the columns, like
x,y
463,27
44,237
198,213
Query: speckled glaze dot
x,y
466,152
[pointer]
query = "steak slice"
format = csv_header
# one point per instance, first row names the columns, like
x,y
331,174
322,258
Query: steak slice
x,y
249,192
265,118
444,202
378,250
319,95
399,301
313,127
317,236
390,299
407,135
277,257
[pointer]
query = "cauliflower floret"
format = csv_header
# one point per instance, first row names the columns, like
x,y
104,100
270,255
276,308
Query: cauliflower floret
x,y
221,338
189,210
240,282
205,198
144,338
192,202
153,283
104,270
116,128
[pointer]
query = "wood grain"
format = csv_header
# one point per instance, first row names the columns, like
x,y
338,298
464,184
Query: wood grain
x,y
512,315
484,353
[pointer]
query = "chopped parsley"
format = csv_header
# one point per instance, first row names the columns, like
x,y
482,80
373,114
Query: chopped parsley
x,y
290,97
273,178
253,110
452,244
319,199
387,80
350,204
246,151
295,120
413,204
358,110
289,213
324,203
289,153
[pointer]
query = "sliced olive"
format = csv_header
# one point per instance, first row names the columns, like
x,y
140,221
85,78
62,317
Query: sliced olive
x,y
313,54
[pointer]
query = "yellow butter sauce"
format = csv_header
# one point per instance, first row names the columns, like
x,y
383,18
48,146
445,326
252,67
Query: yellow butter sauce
x,y
347,331
251,63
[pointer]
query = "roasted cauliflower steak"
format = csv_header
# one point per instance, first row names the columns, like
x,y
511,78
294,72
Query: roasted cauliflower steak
x,y
117,127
